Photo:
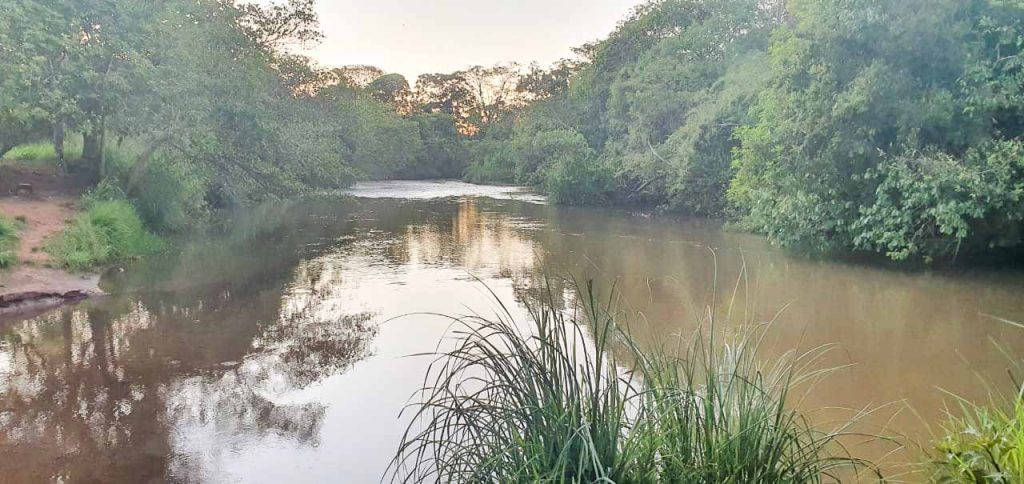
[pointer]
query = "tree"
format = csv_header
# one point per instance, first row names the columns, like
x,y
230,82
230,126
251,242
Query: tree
x,y
280,25
392,89
356,77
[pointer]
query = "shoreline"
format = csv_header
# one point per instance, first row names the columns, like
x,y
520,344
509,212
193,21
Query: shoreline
x,y
26,289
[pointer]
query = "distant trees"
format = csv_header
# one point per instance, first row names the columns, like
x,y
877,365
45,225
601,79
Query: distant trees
x,y
208,90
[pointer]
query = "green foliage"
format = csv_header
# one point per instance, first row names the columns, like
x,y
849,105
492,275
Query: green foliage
x,y
657,104
984,443
492,161
935,205
444,152
567,169
199,87
8,242
875,132
568,397
109,231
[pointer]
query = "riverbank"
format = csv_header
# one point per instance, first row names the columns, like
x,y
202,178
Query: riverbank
x,y
43,202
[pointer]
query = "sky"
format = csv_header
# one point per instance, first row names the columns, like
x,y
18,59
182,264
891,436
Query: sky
x,y
413,37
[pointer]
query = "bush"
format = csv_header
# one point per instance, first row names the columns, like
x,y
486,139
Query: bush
x,y
935,205
8,242
552,401
563,165
170,194
108,231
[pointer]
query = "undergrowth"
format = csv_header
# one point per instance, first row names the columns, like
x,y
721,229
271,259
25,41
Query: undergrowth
x,y
108,231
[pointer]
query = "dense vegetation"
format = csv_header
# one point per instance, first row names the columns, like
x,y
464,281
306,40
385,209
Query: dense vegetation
x,y
549,400
889,127
885,126
186,105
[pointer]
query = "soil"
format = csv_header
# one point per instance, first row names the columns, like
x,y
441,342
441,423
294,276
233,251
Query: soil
x,y
45,201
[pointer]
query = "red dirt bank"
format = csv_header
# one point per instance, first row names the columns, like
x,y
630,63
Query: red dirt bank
x,y
45,200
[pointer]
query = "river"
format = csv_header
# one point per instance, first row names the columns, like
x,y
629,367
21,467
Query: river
x,y
278,350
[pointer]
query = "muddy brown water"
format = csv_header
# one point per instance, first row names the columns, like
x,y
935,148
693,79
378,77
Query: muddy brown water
x,y
270,353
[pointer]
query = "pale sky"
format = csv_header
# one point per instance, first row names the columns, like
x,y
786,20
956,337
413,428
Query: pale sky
x,y
413,37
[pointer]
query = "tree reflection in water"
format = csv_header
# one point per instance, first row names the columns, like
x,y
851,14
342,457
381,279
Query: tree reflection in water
x,y
107,391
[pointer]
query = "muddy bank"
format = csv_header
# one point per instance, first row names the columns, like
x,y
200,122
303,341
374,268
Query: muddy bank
x,y
28,289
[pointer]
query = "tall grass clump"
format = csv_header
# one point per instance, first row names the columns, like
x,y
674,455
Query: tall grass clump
x,y
108,231
8,242
567,396
984,443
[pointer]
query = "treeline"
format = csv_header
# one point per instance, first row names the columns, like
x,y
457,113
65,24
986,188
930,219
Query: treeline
x,y
184,105
886,126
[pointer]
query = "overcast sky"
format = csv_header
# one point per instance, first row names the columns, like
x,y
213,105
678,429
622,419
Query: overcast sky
x,y
413,37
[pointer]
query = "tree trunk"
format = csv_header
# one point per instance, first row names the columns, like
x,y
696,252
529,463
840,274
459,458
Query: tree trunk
x,y
92,149
58,143
103,146
4,148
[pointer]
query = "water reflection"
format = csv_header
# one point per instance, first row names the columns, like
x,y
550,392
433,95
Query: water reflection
x,y
272,351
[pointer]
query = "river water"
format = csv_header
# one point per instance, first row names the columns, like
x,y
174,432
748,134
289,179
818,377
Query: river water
x,y
278,350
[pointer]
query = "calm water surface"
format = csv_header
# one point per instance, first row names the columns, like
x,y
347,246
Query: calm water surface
x,y
271,353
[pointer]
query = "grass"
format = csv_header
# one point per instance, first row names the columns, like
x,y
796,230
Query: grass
x,y
8,242
42,152
551,401
984,443
109,231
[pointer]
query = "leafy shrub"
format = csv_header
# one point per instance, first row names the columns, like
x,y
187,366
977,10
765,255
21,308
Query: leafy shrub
x,y
107,232
170,194
8,242
566,167
935,205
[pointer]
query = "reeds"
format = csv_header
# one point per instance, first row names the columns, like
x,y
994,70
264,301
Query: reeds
x,y
568,396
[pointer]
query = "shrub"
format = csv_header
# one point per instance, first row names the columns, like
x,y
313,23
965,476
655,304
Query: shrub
x,y
551,401
107,232
569,171
8,242
935,205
